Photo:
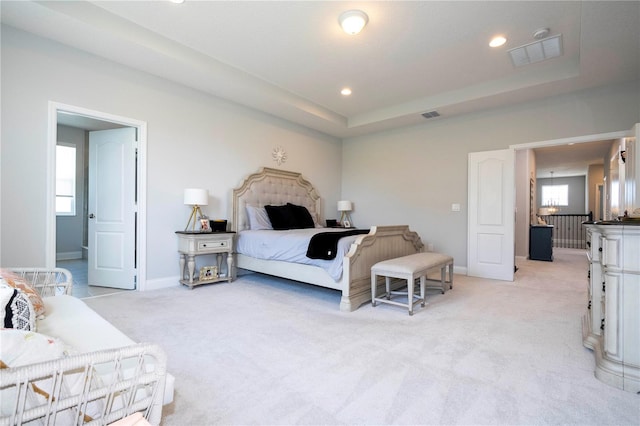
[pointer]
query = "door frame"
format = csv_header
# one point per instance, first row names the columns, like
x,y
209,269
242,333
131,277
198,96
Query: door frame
x,y
141,179
572,140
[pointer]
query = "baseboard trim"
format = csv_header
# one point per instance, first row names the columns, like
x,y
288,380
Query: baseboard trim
x,y
70,255
161,283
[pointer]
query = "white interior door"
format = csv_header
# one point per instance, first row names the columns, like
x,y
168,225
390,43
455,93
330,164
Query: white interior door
x,y
491,227
112,208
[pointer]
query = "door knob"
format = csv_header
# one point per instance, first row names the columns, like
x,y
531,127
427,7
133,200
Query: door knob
x,y
92,216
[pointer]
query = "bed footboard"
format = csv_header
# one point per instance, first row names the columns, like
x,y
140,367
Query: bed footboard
x,y
381,243
117,383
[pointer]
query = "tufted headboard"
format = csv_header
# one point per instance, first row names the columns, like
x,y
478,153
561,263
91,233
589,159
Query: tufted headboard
x,y
273,187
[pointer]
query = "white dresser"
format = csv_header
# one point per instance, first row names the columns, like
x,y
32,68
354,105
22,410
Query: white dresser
x,y
611,326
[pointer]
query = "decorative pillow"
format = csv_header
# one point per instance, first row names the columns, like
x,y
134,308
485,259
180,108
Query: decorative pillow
x,y
301,216
281,217
18,348
258,218
16,281
16,310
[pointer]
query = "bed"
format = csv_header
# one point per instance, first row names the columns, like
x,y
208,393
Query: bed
x,y
355,255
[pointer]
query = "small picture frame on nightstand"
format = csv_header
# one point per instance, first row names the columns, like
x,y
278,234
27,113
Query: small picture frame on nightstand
x,y
346,224
208,273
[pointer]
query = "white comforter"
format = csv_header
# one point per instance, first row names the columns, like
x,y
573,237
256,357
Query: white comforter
x,y
291,246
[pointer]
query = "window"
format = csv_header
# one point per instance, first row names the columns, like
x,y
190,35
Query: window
x,y
555,195
65,180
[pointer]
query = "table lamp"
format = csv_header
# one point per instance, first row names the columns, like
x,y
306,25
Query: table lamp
x,y
195,197
344,207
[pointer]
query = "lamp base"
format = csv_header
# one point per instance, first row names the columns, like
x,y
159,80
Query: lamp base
x,y
345,220
195,211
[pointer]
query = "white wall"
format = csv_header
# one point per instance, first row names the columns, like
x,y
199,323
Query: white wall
x,y
525,172
193,140
595,177
412,175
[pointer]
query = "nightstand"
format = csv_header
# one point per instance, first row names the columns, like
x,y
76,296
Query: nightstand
x,y
192,244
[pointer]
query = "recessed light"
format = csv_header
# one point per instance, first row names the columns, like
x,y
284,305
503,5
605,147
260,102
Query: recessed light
x,y
497,41
177,1
346,91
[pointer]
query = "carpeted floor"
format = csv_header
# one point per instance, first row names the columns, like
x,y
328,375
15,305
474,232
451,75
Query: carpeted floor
x,y
267,351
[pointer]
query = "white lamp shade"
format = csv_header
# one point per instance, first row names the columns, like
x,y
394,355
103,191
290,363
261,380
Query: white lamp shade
x,y
344,206
196,197
353,21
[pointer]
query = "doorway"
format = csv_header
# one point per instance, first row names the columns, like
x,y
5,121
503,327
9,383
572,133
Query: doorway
x,y
589,146
86,121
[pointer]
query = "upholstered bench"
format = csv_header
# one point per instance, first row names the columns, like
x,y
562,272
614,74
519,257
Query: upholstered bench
x,y
409,268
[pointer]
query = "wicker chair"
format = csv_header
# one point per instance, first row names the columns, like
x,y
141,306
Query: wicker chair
x,y
48,282
118,382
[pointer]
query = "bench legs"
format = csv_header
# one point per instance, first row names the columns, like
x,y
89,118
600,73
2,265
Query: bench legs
x,y
412,299
443,278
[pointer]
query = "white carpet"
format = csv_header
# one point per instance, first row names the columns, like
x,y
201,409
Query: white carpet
x,y
267,351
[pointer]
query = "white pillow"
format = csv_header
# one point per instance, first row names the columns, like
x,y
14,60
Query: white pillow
x,y
19,348
258,218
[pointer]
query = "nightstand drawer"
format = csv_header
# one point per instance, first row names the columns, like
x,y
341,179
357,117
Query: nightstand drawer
x,y
213,244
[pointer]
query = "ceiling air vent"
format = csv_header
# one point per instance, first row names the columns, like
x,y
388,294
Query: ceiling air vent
x,y
431,114
550,47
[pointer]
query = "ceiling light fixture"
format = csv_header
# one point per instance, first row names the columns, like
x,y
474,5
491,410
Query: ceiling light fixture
x,y
541,33
353,21
346,91
497,41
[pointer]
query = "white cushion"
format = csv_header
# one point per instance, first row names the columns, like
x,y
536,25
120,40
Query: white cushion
x,y
412,263
80,327
71,320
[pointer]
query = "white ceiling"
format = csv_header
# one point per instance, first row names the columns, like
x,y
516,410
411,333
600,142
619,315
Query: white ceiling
x,y
570,160
290,59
